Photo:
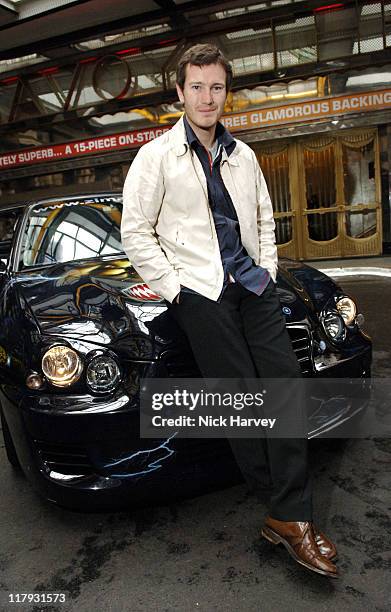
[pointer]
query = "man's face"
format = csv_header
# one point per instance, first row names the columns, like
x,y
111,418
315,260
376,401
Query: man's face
x,y
204,94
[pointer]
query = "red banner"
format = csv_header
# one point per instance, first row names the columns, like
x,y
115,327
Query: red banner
x,y
113,142
307,111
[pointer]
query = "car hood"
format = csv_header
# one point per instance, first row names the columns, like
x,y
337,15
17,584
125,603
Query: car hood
x,y
104,299
309,284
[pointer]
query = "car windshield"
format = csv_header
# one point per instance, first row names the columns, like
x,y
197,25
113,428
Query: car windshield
x,y
68,230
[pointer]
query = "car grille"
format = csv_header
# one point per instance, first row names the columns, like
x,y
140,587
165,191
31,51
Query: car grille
x,y
64,458
301,343
175,364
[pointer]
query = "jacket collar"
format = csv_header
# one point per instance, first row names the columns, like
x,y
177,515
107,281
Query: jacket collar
x,y
180,144
224,138
177,138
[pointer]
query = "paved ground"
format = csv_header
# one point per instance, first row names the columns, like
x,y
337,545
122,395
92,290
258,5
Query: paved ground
x,y
205,553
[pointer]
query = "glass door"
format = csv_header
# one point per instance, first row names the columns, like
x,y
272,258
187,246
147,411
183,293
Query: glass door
x,y
326,194
341,202
278,161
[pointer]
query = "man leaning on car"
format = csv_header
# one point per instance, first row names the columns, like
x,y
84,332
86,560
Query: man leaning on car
x,y
198,227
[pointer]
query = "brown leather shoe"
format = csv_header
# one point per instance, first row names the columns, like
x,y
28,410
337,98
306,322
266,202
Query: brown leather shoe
x,y
299,540
326,547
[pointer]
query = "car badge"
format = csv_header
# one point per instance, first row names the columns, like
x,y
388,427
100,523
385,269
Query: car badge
x,y
286,310
141,292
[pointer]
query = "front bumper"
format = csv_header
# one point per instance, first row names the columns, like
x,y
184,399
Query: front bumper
x,y
85,453
91,457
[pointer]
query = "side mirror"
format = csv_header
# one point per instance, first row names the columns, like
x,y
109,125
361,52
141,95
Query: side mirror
x,y
3,266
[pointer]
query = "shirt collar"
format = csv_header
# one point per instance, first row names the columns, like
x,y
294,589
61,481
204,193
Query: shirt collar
x,y
223,136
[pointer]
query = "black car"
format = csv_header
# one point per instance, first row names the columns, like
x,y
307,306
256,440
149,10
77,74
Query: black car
x,y
79,330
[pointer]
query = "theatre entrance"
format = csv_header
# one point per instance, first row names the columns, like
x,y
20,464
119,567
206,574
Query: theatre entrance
x,y
326,194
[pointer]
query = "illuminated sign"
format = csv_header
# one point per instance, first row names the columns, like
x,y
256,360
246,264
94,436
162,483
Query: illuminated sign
x,y
113,142
309,110
299,112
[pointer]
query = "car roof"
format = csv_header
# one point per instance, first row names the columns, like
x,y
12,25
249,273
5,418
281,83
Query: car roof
x,y
78,196
31,203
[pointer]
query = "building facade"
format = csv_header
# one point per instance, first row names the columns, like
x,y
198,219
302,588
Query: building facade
x,y
311,96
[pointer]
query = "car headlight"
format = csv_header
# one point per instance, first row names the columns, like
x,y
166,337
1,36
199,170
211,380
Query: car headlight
x,y
347,309
61,366
103,373
334,326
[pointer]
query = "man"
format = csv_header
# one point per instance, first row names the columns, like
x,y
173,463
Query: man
x,y
198,227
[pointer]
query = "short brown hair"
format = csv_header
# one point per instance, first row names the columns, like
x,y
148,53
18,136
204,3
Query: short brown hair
x,y
203,55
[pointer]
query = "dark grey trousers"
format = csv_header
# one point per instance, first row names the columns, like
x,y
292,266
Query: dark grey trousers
x,y
244,336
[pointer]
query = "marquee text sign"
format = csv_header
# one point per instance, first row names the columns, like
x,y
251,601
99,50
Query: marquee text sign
x,y
309,110
259,118
112,142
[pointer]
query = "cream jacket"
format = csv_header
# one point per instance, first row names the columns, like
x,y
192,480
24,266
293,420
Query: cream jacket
x,y
167,226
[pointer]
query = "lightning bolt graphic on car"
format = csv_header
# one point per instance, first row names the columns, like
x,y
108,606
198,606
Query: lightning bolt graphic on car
x,y
142,456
